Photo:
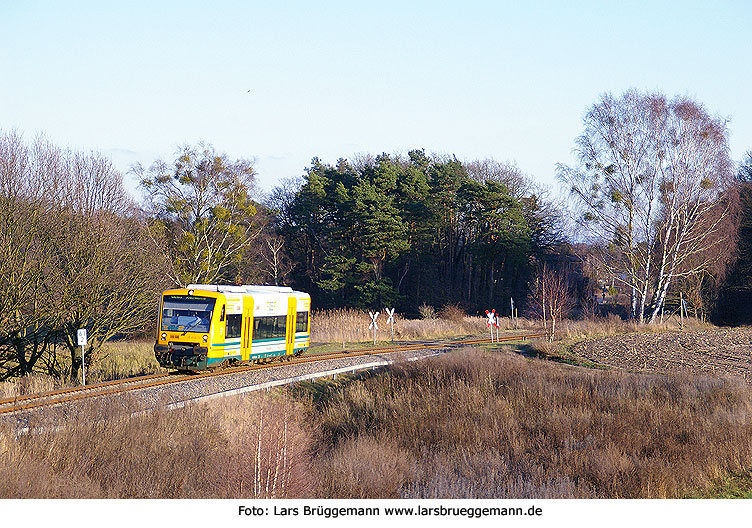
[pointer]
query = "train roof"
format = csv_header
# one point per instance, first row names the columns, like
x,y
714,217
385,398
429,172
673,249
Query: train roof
x,y
246,288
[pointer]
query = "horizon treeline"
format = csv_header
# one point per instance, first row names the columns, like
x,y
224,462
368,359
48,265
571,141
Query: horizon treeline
x,y
392,231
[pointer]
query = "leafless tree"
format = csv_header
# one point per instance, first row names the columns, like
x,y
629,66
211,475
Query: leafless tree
x,y
277,264
74,255
550,298
502,172
651,172
703,272
106,278
25,330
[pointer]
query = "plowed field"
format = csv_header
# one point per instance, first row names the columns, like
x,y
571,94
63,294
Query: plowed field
x,y
721,351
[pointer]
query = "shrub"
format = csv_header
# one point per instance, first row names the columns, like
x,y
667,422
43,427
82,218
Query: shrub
x,y
452,312
426,311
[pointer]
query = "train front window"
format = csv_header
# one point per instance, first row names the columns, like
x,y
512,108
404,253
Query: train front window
x,y
187,313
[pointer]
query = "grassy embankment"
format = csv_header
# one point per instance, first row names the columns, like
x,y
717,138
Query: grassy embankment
x,y
469,424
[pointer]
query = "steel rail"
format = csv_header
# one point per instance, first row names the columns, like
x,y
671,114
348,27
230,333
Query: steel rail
x,y
80,388
153,380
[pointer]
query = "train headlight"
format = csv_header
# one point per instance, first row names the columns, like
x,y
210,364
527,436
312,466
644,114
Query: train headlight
x,y
164,336
205,338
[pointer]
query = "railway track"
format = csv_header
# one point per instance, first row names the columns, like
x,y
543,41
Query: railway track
x,y
108,388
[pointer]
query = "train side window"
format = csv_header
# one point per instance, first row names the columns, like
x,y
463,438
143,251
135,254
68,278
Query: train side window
x,y
222,315
262,327
301,324
269,327
234,324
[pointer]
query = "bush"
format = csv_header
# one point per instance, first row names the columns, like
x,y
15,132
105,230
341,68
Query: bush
x,y
426,311
452,312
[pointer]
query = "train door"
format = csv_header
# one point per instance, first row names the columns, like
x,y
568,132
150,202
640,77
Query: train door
x,y
245,340
292,304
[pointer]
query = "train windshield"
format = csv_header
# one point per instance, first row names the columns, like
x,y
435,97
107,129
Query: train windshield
x,y
187,313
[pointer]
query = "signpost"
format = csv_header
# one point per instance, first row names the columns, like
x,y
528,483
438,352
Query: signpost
x,y
82,343
682,308
373,324
390,311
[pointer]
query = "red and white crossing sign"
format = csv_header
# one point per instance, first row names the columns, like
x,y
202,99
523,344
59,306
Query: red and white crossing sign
x,y
493,322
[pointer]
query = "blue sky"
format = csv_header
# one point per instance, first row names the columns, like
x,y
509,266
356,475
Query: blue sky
x,y
503,80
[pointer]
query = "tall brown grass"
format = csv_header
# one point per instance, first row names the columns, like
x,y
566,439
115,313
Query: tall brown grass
x,y
351,326
30,384
613,324
115,360
481,425
251,447
124,359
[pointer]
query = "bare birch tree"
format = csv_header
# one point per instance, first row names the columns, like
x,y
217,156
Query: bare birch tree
x,y
650,172
550,298
277,265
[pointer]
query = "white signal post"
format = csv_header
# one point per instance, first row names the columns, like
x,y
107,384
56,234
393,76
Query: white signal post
x,y
373,324
82,342
390,312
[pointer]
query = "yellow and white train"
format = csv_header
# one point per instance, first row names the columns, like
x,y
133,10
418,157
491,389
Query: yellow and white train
x,y
207,325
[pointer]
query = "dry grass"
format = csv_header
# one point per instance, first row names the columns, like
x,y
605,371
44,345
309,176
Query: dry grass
x,y
33,384
485,425
351,326
452,312
124,359
251,447
579,329
115,360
